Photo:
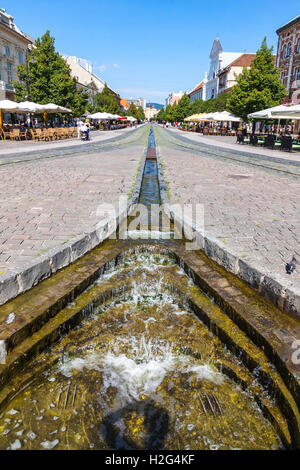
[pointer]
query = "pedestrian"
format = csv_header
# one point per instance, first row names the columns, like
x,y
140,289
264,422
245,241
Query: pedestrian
x,y
79,126
87,130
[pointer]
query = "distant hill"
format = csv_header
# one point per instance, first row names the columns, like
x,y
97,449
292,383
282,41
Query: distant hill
x,y
155,105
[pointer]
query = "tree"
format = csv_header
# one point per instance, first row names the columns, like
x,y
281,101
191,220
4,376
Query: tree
x,y
50,78
161,115
132,111
183,108
170,112
106,102
259,87
140,114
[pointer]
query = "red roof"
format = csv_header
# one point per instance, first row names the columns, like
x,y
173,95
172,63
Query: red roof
x,y
198,87
243,60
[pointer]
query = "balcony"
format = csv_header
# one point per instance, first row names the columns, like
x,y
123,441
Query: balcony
x,y
6,86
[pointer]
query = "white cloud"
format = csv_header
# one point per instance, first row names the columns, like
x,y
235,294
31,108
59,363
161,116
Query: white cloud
x,y
116,66
101,67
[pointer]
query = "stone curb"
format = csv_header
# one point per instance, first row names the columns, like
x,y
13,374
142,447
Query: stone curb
x,y
32,273
274,288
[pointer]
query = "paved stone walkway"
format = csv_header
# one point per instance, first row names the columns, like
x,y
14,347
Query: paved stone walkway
x,y
229,143
253,211
47,201
8,147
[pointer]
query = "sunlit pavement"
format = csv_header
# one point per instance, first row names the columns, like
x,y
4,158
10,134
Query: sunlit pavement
x,y
50,196
252,210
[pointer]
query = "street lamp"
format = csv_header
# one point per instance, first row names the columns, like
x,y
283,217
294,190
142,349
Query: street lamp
x,y
29,47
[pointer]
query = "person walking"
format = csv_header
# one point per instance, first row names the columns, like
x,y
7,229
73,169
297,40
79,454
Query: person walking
x,y
79,126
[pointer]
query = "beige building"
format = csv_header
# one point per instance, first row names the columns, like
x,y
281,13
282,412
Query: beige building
x,y
173,98
13,47
227,75
150,112
82,70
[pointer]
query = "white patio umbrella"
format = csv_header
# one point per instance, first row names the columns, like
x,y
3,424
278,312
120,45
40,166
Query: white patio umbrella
x,y
101,116
292,112
131,118
32,107
196,117
54,108
225,116
11,107
277,112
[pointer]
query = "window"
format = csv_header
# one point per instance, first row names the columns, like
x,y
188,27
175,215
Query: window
x,y
284,52
283,76
20,57
213,93
9,73
7,51
297,75
289,49
298,46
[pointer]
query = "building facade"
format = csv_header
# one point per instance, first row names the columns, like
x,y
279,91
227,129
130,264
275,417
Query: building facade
x,y
199,92
86,80
288,58
139,103
13,49
218,60
151,112
227,75
173,98
220,77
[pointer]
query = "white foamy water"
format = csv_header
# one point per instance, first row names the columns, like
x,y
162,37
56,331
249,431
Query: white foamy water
x,y
141,370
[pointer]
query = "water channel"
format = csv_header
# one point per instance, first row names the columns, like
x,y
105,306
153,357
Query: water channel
x,y
142,370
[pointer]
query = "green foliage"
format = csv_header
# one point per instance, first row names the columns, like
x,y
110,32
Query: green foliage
x,y
161,115
106,102
50,78
259,87
132,111
138,113
183,109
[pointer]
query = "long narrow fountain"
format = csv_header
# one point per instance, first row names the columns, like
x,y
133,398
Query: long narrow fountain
x,y
142,357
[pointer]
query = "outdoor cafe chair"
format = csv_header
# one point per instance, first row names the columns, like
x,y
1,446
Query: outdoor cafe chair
x,y
286,143
6,134
270,141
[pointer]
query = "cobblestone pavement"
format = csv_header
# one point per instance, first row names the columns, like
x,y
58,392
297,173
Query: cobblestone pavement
x,y
14,147
254,210
229,143
47,197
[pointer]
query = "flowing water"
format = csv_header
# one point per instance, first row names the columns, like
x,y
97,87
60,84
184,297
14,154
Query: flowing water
x,y
141,372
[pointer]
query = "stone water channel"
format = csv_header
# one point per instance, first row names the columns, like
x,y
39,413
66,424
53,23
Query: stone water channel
x,y
144,355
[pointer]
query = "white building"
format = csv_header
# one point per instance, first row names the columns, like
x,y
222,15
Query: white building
x,y
173,98
209,87
139,103
82,70
218,61
13,47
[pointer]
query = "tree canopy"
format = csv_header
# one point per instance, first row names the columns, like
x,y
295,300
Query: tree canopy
x,y
50,78
106,102
138,113
259,87
184,108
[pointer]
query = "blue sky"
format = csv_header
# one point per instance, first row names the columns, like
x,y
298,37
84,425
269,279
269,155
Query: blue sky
x,y
151,48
